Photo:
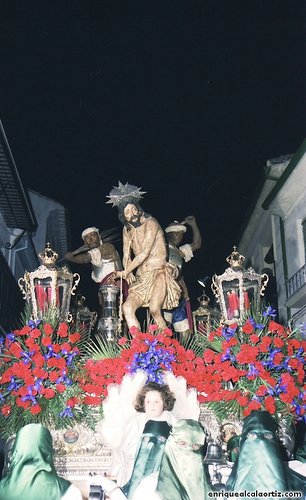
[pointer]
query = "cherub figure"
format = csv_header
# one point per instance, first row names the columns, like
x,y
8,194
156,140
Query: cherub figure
x,y
138,440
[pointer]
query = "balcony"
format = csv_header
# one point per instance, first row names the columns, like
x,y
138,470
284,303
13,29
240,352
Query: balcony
x,y
296,289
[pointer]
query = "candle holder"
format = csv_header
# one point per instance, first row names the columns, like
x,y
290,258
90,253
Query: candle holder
x,y
48,289
238,288
205,316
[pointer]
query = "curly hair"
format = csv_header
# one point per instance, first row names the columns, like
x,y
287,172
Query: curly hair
x,y
164,390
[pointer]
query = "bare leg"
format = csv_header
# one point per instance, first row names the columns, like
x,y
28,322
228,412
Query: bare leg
x,y
157,299
129,309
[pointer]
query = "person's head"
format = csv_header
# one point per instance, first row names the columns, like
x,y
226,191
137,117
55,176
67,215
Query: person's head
x,y
130,212
91,237
154,398
175,232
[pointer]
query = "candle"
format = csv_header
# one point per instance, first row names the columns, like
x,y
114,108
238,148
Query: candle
x,y
246,300
40,296
233,302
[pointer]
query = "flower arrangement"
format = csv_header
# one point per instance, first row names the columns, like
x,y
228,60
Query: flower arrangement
x,y
258,365
235,369
50,374
153,352
39,369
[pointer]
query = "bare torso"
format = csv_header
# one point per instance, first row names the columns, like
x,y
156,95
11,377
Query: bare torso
x,y
147,240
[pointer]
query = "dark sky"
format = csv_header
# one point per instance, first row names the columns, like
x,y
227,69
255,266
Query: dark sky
x,y
187,99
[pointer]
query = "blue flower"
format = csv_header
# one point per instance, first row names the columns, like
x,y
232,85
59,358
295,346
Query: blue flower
x,y
67,412
11,336
34,324
29,396
51,353
269,312
253,372
13,386
228,332
153,361
26,357
228,356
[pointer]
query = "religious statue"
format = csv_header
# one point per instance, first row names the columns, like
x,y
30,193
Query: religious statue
x,y
155,438
181,317
102,255
145,254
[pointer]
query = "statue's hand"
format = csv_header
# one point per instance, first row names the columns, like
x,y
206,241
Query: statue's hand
x,y
130,278
172,270
190,220
120,274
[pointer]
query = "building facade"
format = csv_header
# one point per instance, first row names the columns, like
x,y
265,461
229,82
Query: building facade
x,y
274,237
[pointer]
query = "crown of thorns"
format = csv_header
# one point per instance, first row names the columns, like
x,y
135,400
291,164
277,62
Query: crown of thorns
x,y
124,194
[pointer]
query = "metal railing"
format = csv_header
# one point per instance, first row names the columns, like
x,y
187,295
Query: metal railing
x,y
296,282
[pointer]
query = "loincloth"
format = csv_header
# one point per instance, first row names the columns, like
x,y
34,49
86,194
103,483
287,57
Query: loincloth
x,y
143,287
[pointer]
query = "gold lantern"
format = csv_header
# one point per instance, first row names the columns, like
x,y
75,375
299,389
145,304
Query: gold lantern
x,y
48,289
237,289
205,316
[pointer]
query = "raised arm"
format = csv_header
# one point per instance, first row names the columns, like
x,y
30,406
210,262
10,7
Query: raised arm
x,y
83,258
196,235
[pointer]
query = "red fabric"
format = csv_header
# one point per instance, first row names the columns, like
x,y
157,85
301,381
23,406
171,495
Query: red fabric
x,y
189,314
109,280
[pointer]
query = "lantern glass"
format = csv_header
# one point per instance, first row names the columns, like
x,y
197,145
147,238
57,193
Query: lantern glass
x,y
237,289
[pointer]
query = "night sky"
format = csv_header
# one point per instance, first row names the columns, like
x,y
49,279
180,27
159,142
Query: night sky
x,y
187,99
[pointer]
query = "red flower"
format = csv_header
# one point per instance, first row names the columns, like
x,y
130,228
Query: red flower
x,y
60,387
40,373
22,404
152,328
54,375
62,330
35,333
262,390
270,405
49,393
93,400
46,341
15,350
276,327
253,405
59,363
278,358
264,344
254,338
25,330
248,327
248,354
48,329
134,331
35,409
72,402
65,347
122,341
167,332
74,337
209,356
278,342
242,400
38,359
6,410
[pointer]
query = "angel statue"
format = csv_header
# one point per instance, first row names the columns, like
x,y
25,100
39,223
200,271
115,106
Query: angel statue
x,y
156,440
144,253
